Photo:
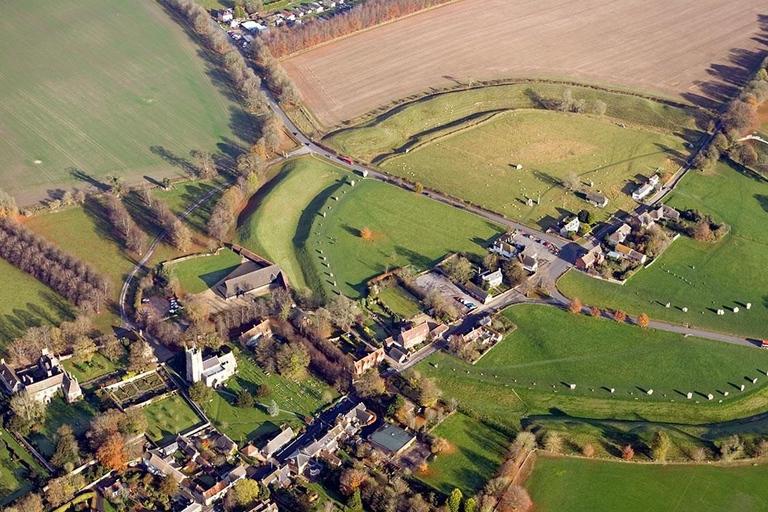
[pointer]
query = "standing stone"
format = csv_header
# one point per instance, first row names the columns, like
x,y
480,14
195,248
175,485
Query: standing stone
x,y
650,391
749,305
710,396
613,390
742,387
726,393
572,386
754,381
689,396
736,310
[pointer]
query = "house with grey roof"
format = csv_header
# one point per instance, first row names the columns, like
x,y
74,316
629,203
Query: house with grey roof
x,y
42,380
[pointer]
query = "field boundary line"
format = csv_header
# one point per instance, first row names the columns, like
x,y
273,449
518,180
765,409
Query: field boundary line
x,y
366,29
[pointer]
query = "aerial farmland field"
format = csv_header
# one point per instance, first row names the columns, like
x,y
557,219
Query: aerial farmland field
x,y
677,49
101,99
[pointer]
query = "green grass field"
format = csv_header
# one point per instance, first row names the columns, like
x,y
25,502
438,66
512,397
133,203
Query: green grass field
x,y
279,217
475,453
168,417
555,349
387,133
400,301
97,367
295,399
475,164
723,275
15,465
575,485
77,415
102,98
198,274
407,229
26,302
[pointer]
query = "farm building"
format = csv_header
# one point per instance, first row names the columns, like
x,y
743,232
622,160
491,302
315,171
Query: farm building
x,y
249,277
596,199
642,191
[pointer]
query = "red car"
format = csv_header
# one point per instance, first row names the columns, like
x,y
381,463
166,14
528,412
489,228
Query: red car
x,y
347,160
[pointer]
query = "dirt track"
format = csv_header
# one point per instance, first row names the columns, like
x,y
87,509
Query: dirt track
x,y
684,48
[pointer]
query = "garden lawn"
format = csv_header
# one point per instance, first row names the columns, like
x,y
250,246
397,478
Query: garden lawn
x,y
279,217
726,274
295,399
475,163
168,417
77,415
474,455
575,485
555,349
15,463
406,229
198,274
400,301
97,367
26,302
101,99
183,195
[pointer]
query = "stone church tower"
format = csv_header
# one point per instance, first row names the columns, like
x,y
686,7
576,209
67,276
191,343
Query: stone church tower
x,y
194,365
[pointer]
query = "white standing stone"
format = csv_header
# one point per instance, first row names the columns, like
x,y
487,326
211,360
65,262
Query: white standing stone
x,y
754,381
689,396
742,387
650,391
572,386
726,393
710,396
668,305
749,305
685,310
613,390
736,310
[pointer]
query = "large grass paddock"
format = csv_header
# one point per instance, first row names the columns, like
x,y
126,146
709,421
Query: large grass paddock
x,y
168,417
406,229
476,163
279,217
105,87
723,275
576,485
16,464
474,454
26,302
554,349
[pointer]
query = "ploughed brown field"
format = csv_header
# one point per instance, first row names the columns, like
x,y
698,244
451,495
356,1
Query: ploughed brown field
x,y
688,49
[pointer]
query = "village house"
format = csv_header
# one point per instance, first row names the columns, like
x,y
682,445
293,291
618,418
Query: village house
x,y
665,212
368,359
631,254
569,225
263,506
41,381
252,336
477,293
529,258
646,188
621,234
645,220
591,258
493,279
162,465
213,371
411,336
596,199
277,442
504,246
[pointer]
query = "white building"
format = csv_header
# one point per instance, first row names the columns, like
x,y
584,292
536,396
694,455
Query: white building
x,y
214,371
492,278
641,192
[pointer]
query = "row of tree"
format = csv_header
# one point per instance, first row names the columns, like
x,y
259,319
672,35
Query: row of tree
x,y
287,40
231,61
179,235
124,227
64,273
740,118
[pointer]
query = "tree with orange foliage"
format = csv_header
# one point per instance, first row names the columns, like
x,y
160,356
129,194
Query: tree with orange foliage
x,y
594,311
619,316
627,452
366,233
112,453
575,306
350,480
643,320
